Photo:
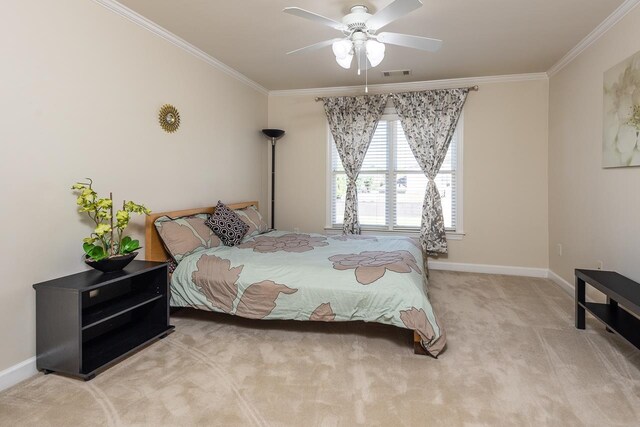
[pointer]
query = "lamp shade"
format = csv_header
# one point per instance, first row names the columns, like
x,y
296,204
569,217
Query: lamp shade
x,y
375,52
343,50
273,133
345,62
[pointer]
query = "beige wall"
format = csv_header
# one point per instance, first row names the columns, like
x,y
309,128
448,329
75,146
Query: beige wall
x,y
505,172
593,212
81,88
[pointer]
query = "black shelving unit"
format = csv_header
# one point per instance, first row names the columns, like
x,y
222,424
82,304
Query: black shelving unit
x,y
89,321
623,299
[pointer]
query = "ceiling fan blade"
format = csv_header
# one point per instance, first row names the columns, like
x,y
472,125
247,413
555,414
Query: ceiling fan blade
x,y
415,42
392,12
296,11
315,46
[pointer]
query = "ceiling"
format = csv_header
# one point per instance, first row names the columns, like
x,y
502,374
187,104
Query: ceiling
x,y
481,37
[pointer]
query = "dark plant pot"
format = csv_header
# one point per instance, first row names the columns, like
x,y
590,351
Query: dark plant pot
x,y
110,265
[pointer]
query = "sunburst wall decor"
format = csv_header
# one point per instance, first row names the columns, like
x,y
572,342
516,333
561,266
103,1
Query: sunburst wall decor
x,y
169,118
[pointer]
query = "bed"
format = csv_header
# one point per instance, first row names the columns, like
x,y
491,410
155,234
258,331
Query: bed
x,y
304,276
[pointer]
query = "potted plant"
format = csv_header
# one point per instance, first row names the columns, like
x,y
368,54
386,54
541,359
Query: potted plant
x,y
107,248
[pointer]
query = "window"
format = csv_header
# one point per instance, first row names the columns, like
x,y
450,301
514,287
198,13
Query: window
x,y
391,185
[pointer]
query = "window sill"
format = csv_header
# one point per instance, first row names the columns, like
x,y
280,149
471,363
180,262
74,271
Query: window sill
x,y
451,235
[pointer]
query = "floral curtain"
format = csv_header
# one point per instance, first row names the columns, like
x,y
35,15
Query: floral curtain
x,y
429,120
353,121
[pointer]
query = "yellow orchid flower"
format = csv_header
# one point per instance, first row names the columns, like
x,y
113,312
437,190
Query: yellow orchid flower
x,y
102,229
87,192
122,218
104,203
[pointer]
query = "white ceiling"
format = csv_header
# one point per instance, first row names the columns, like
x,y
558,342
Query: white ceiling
x,y
481,37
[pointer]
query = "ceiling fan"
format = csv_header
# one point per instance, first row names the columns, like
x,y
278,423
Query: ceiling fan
x,y
361,38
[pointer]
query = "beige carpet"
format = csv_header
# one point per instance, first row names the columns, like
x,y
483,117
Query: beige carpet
x,y
513,358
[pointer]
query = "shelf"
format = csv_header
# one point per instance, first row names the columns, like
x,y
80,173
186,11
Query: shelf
x,y
89,321
622,289
117,344
618,320
112,308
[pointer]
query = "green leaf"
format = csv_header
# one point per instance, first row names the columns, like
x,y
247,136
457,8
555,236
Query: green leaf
x,y
128,245
88,247
94,252
97,253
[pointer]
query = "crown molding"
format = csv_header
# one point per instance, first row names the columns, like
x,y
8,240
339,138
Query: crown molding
x,y
411,86
156,29
594,35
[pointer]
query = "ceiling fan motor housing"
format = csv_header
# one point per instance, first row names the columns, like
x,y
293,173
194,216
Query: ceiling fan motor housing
x,y
357,19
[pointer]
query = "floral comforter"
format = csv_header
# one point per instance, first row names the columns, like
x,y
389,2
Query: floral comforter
x,y
283,275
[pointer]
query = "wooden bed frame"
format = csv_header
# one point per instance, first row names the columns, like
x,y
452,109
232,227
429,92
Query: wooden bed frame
x,y
155,251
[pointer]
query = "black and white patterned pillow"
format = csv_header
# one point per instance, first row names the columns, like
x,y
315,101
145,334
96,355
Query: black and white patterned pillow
x,y
227,225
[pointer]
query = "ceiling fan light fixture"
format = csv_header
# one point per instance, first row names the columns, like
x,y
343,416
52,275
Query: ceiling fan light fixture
x,y
345,62
375,52
342,49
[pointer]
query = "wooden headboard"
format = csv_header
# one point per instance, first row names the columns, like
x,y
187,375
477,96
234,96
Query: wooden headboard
x,y
154,249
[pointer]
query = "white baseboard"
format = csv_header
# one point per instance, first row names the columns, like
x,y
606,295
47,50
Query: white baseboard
x,y
17,373
489,269
507,270
564,285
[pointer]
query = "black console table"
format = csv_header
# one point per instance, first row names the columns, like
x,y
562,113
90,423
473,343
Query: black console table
x,y
88,321
618,289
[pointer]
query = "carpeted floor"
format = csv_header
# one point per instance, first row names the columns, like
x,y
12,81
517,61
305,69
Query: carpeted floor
x,y
513,358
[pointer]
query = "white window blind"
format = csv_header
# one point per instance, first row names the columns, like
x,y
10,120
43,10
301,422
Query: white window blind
x,y
391,185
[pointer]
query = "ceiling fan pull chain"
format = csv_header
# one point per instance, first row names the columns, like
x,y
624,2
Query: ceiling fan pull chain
x,y
366,72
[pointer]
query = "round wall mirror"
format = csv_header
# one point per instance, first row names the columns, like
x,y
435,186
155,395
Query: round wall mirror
x,y
169,118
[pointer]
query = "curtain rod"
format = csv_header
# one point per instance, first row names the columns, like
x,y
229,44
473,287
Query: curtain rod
x,y
471,88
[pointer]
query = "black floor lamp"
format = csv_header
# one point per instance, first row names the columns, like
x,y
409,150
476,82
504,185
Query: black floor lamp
x,y
273,135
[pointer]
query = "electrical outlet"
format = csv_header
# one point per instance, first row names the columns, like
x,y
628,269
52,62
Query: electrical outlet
x,y
600,265
559,249
296,230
